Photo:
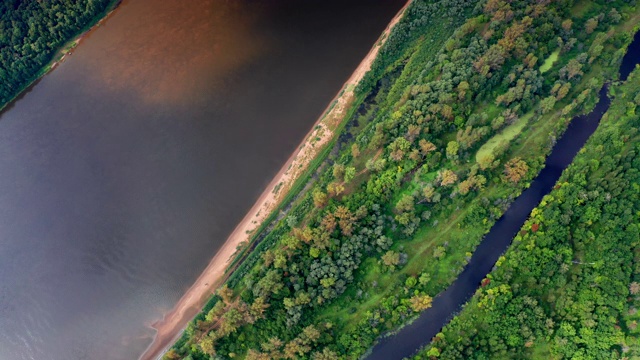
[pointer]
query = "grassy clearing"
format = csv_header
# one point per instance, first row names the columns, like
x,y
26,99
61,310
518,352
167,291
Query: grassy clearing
x,y
548,63
504,137
581,8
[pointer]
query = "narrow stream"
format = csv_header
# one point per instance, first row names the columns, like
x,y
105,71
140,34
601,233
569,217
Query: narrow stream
x,y
419,333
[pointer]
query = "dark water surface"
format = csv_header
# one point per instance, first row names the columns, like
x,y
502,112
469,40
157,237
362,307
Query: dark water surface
x,y
124,170
419,333
631,59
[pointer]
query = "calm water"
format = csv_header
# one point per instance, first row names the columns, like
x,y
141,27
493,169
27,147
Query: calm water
x,y
419,333
124,170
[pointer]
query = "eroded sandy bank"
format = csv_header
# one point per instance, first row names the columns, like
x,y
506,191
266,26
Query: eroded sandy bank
x,y
170,327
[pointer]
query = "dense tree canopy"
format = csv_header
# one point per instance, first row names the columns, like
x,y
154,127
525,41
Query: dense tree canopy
x,y
32,31
452,122
567,288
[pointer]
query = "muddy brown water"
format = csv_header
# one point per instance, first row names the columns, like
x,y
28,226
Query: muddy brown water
x,y
124,170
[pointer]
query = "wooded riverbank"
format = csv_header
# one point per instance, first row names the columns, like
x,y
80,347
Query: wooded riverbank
x,y
270,201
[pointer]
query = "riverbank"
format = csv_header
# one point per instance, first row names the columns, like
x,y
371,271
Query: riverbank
x,y
65,50
563,281
170,327
412,337
475,283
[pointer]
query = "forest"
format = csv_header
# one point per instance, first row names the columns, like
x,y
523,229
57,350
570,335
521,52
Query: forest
x,y
31,32
453,121
569,285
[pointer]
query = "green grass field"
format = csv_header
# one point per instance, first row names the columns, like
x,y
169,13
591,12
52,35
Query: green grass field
x,y
548,63
504,137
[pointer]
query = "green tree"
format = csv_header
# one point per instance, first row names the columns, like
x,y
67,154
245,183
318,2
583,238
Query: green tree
x,y
426,146
452,150
338,172
447,177
515,169
319,198
591,25
349,174
355,150
420,302
391,259
326,354
406,204
547,104
206,344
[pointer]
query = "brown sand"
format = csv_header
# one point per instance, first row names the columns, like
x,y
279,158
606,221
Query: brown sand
x,y
170,327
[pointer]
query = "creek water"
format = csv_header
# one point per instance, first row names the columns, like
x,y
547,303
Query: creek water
x,y
125,169
419,333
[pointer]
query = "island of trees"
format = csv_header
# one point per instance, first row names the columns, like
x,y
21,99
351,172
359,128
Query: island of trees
x,y
455,118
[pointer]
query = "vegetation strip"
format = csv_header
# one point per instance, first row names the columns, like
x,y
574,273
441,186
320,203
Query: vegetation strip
x,y
568,287
410,338
400,213
30,52
228,263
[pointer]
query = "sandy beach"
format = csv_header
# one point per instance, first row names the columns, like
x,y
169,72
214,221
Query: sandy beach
x,y
170,327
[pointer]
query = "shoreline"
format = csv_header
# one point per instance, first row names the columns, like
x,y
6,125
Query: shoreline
x,y
65,49
170,327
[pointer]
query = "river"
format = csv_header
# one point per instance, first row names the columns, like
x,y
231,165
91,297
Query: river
x,y
419,333
125,169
